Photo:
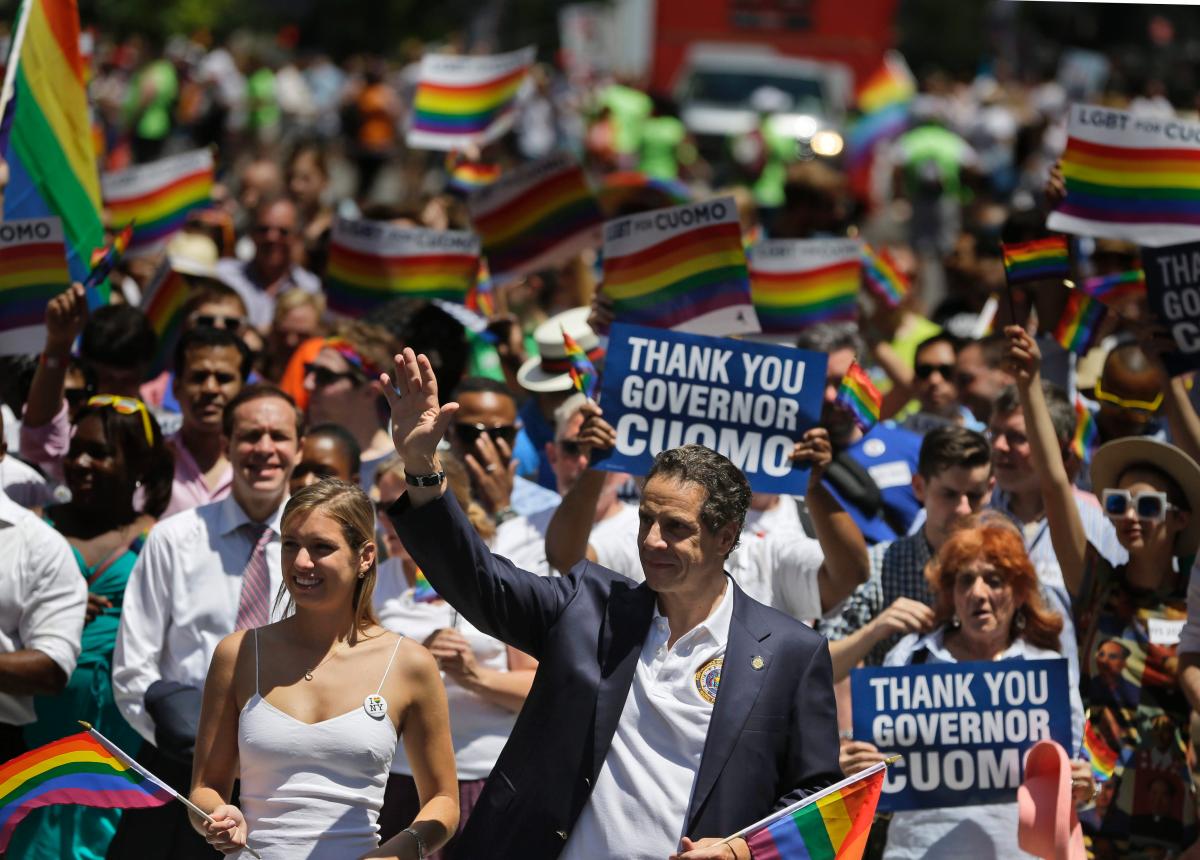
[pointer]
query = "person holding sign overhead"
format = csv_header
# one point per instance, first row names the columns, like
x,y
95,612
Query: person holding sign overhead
x,y
684,710
987,607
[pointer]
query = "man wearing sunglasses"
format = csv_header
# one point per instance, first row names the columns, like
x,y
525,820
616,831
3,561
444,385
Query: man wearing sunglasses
x,y
271,270
935,385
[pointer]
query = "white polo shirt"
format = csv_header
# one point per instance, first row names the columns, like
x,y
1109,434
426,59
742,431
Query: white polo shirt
x,y
638,808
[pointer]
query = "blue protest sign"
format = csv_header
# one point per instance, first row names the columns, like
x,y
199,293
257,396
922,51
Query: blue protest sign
x,y
962,728
749,401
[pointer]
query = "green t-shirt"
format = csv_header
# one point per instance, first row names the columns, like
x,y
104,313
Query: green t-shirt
x,y
154,121
264,106
629,108
661,137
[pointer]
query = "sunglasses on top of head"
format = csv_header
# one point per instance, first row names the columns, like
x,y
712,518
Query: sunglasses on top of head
x,y
1149,505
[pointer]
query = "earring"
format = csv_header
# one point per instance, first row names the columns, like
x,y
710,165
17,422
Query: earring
x,y
1019,621
954,622
362,574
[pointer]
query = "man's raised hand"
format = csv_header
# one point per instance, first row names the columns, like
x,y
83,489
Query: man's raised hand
x,y
419,422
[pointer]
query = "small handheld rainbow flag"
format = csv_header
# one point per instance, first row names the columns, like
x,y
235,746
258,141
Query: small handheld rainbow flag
x,y
883,103
882,278
1114,289
535,216
860,396
583,372
1086,432
158,196
832,824
796,283
1038,260
372,262
104,260
422,591
33,270
1098,753
481,298
467,176
1077,327
464,100
162,303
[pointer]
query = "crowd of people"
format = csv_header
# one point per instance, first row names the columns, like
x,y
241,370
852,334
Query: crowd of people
x,y
236,560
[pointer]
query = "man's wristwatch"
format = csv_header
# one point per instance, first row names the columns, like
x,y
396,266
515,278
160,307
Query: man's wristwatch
x,y
420,842
504,515
434,480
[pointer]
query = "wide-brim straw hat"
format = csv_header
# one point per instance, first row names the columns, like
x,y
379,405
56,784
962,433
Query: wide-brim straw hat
x,y
1114,458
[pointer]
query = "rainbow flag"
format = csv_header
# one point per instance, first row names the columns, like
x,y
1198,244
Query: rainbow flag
x,y
832,824
860,396
1038,260
81,769
583,372
469,176
1083,443
46,134
882,278
535,216
1112,290
883,103
796,283
162,303
1129,179
372,262
682,268
481,298
157,197
1100,755
33,270
1079,323
422,591
104,260
463,100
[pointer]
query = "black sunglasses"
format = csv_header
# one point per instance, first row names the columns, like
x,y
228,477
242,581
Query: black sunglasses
x,y
924,371
570,447
219,321
323,376
468,434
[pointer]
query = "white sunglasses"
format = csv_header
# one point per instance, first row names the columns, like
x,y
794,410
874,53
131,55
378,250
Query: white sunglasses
x,y
1149,505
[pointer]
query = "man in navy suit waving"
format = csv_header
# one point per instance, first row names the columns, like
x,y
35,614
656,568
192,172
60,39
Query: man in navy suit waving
x,y
664,715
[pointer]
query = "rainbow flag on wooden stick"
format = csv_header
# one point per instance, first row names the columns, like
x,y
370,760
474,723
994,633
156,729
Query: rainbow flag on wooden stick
x,y
882,278
33,270
83,769
681,268
1112,290
372,262
535,216
163,304
832,824
796,283
860,396
46,133
463,100
1129,177
1038,260
1077,327
1083,443
158,196
582,371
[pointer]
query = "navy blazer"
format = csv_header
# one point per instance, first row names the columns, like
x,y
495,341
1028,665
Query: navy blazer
x,y
773,736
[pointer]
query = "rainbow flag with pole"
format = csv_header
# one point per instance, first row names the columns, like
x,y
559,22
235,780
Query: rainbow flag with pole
x,y
1112,290
462,100
1083,443
372,262
535,216
84,769
682,268
859,396
1077,327
1099,754
796,283
881,277
582,371
157,197
468,176
104,260
33,270
1039,260
163,304
45,132
1129,179
832,824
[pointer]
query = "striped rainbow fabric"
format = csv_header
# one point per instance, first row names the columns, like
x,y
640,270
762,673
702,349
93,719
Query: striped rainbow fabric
x,y
883,103
162,303
1083,443
46,132
463,100
582,371
1038,260
1098,753
423,591
833,824
882,278
158,196
860,396
1080,322
80,770
33,270
1115,289
796,283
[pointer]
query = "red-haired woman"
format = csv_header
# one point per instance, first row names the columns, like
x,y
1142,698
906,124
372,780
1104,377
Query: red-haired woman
x,y
987,606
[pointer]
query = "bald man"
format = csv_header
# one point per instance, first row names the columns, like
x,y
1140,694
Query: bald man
x,y
1130,394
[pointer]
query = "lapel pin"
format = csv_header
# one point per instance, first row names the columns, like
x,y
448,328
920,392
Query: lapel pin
x,y
757,662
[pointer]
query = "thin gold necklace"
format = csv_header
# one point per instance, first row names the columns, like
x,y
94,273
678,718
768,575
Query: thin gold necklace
x,y
308,676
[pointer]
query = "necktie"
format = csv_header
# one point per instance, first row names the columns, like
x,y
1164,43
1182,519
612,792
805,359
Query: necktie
x,y
254,602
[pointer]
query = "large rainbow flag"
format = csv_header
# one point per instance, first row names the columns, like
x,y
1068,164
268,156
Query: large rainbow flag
x,y
1037,260
46,133
163,303
80,769
1080,323
681,268
33,270
832,824
372,262
796,283
536,216
1129,177
158,196
883,102
463,100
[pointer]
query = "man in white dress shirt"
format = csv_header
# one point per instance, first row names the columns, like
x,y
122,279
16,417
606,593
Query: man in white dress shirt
x,y
202,574
42,603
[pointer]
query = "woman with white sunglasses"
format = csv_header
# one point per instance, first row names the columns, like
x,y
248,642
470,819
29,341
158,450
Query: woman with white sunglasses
x,y
1129,620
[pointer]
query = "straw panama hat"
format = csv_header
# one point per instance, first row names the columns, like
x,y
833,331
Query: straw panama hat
x,y
547,371
1113,458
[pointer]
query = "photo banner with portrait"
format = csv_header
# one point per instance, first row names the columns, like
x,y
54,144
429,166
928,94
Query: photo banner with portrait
x,y
962,728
